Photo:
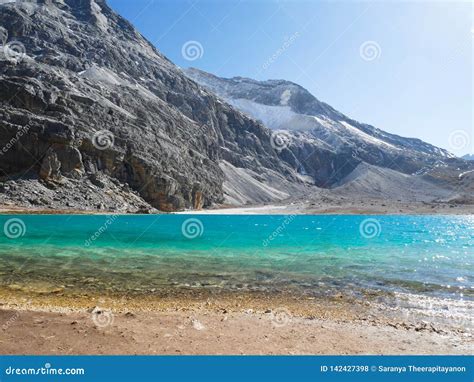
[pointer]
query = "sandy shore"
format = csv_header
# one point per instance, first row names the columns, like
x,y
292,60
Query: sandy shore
x,y
51,322
332,206
246,324
357,207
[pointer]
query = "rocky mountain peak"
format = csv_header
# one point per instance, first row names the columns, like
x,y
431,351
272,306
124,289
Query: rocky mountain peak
x,y
272,92
93,116
103,107
321,142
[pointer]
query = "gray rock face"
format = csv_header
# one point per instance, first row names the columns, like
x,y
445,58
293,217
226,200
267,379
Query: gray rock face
x,y
95,100
93,117
322,142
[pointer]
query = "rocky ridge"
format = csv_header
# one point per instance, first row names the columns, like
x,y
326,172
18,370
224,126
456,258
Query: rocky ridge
x,y
93,117
332,149
87,97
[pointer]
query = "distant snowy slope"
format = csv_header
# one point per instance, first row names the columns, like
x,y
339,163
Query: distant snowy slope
x,y
322,142
282,104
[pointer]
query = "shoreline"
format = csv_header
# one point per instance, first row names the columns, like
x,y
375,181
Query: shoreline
x,y
369,207
51,323
99,309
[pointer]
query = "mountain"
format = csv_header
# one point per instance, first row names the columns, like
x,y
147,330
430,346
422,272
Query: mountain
x,y
468,157
92,116
320,142
312,125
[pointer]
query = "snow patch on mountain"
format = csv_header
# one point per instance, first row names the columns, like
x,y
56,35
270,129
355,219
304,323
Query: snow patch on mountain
x,y
364,136
285,97
274,117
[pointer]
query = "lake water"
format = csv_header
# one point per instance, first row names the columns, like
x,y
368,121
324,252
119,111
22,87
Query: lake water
x,y
425,255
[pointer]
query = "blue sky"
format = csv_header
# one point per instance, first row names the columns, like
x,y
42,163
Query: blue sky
x,y
415,78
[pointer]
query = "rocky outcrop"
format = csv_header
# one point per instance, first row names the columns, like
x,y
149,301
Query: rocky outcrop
x,y
93,117
99,101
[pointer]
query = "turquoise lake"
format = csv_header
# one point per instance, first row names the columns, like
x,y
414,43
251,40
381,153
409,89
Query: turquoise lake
x,y
429,255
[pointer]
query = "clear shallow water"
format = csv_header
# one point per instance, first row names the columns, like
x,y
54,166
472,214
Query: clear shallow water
x,y
428,255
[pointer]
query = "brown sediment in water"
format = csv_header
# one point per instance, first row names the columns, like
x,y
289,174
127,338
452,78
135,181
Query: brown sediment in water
x,y
51,298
